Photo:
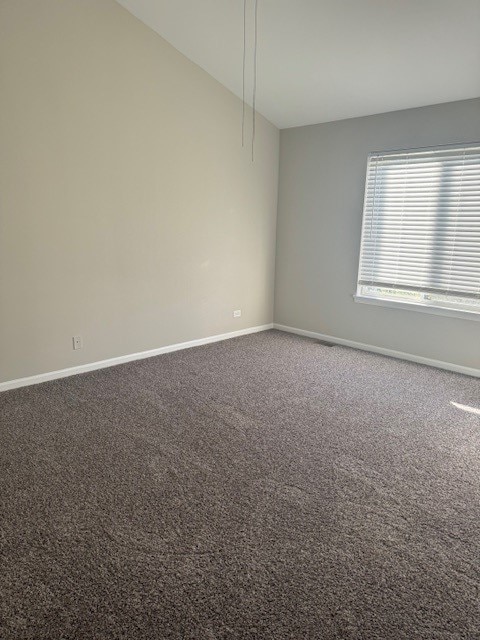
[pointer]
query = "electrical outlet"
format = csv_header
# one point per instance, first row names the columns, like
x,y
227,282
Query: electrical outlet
x,y
237,313
77,342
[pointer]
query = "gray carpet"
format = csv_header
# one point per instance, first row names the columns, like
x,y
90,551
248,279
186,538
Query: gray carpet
x,y
263,487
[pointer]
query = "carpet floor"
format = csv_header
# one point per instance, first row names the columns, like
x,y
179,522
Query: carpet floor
x,y
263,487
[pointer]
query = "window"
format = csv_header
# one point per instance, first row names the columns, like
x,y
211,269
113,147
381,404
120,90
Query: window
x,y
421,230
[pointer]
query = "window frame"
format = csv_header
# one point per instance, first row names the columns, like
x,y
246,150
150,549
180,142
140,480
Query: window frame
x,y
434,308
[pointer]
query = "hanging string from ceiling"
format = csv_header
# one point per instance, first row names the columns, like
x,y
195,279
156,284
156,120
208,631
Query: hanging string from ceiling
x,y
254,100
254,91
244,65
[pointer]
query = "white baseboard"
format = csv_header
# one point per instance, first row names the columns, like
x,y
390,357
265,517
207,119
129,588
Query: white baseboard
x,y
111,362
449,366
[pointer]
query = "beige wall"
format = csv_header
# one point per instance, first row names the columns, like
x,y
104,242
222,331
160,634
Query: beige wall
x,y
322,179
129,212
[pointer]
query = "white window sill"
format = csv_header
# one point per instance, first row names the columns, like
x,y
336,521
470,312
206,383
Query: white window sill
x,y
423,308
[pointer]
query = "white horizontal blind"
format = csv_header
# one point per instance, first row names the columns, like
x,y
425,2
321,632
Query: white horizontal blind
x,y
421,221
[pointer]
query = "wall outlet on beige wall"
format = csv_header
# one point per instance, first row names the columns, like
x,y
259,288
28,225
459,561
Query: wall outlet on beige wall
x,y
77,342
237,313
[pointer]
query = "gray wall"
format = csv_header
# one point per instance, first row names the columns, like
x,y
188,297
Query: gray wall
x,y
321,188
129,212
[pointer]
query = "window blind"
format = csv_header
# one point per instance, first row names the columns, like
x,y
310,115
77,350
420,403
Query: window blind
x,y
421,222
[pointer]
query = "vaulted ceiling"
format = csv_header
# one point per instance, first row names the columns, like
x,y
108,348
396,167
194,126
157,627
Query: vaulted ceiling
x,y
322,60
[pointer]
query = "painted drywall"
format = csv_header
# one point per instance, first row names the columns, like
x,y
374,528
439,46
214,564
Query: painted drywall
x,y
130,214
321,189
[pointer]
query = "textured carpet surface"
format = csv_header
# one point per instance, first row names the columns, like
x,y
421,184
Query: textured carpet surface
x,y
262,487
